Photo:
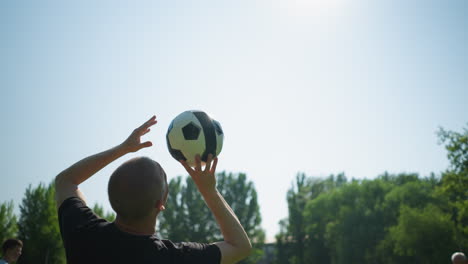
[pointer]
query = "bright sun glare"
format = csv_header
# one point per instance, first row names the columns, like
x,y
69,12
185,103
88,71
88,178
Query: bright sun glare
x,y
313,8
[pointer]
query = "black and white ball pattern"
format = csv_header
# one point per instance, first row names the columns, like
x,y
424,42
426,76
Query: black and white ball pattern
x,y
194,132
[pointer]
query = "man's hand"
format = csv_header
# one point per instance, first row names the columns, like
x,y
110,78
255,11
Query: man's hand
x,y
66,183
205,179
133,142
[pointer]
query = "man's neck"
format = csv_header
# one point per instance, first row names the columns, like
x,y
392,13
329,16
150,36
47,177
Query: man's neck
x,y
144,227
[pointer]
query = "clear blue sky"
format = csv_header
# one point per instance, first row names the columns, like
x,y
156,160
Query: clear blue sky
x,y
320,87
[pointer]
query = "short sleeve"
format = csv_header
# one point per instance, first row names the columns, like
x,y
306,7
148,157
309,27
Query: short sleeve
x,y
190,252
73,215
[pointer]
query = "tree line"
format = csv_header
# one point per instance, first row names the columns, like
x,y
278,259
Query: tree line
x,y
400,218
394,218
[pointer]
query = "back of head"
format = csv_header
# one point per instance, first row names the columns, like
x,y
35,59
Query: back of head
x,y
458,258
135,188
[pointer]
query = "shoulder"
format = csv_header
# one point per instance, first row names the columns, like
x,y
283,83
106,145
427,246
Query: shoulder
x,y
73,214
70,203
74,209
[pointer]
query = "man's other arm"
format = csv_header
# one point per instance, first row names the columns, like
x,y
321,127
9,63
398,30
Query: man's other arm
x,y
236,245
66,182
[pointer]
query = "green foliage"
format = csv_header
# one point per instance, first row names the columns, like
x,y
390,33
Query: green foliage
x,y
425,235
415,194
38,227
364,221
454,187
8,226
395,218
241,195
187,218
99,211
294,243
284,244
457,148
347,222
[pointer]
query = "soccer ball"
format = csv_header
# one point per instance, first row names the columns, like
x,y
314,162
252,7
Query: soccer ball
x,y
194,132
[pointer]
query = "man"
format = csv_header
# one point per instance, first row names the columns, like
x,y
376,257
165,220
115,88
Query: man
x,y
11,250
459,258
138,191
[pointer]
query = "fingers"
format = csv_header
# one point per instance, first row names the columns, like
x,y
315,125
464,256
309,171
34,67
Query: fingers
x,y
210,166
150,122
145,132
186,166
208,162
197,163
215,162
146,144
143,129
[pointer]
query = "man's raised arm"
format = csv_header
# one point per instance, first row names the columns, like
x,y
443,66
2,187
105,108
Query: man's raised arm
x,y
66,183
236,245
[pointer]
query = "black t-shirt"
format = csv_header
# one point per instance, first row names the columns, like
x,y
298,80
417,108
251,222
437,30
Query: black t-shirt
x,y
90,239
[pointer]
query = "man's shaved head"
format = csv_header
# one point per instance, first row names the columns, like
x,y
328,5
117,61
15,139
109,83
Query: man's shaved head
x,y
135,188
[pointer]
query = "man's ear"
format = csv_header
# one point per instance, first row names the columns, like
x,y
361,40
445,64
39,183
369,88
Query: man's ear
x,y
160,205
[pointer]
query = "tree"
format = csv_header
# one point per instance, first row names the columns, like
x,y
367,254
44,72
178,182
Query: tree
x,y
241,195
414,194
297,197
294,243
456,145
455,181
284,245
187,218
392,219
38,227
424,235
346,223
334,221
8,226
